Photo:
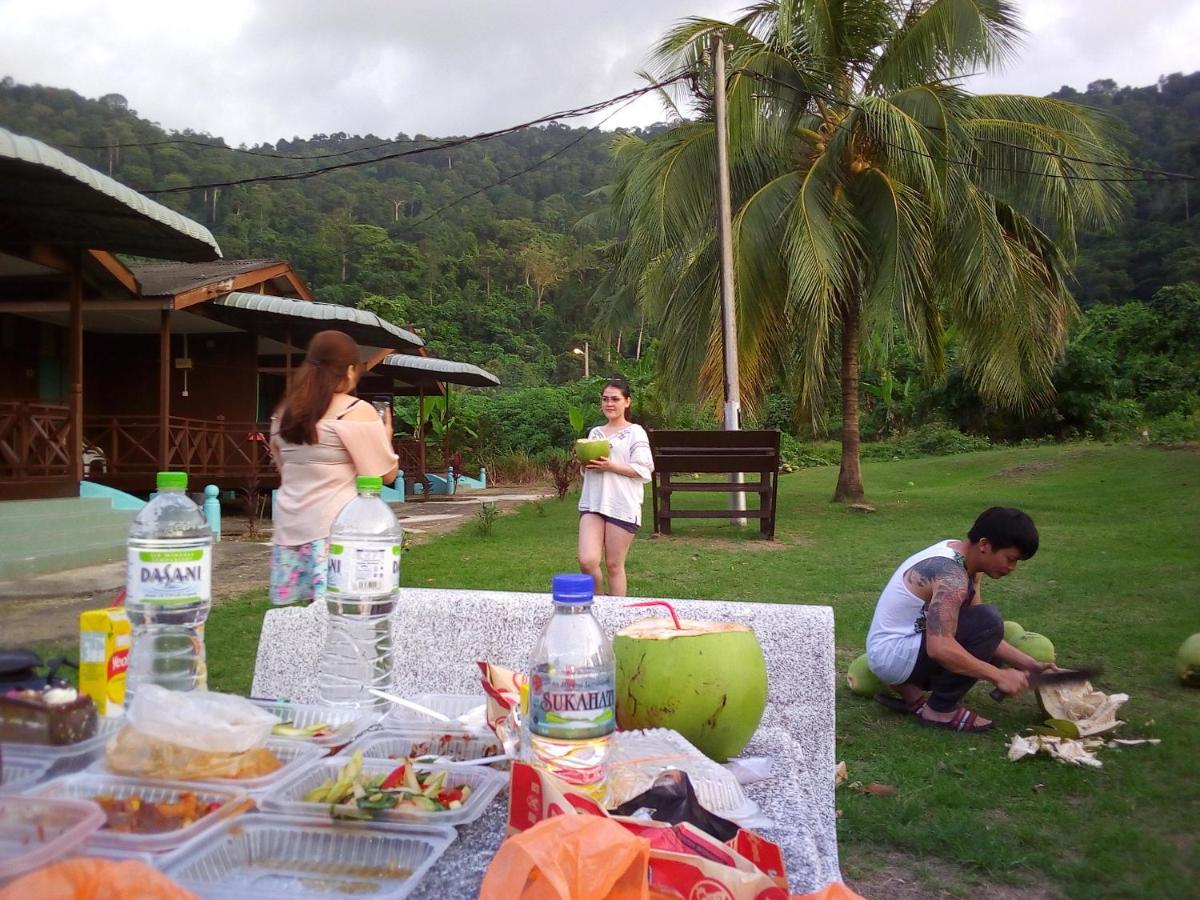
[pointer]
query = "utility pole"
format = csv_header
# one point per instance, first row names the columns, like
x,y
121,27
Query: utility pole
x,y
729,346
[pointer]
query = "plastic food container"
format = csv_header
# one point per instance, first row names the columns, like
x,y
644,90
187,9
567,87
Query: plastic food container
x,y
69,757
295,755
88,785
288,797
347,724
638,757
22,770
396,745
262,857
35,831
452,705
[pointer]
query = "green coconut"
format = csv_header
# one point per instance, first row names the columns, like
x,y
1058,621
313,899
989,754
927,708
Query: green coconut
x,y
588,450
1012,631
1187,662
862,681
1036,645
706,680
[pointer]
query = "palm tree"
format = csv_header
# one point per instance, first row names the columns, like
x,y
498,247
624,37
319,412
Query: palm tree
x,y
872,193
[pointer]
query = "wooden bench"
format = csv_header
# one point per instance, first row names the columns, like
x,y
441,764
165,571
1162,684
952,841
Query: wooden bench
x,y
684,453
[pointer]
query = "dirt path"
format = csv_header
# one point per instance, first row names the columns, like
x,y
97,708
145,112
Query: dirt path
x,y
47,607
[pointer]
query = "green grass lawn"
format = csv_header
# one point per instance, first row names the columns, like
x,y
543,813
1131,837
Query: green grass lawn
x,y
1114,581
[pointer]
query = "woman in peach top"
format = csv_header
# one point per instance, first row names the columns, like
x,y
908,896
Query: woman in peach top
x,y
322,438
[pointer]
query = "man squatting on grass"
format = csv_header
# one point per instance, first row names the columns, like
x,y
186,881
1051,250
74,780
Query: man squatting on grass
x,y
932,632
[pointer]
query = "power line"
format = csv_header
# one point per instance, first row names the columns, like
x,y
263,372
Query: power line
x,y
443,145
1159,175
541,162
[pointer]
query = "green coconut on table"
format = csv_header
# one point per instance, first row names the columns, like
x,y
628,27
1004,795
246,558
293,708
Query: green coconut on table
x,y
705,680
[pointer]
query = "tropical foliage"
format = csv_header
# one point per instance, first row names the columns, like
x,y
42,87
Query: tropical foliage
x,y
872,194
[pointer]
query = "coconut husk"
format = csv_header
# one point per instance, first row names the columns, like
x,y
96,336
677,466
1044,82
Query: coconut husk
x,y
1092,711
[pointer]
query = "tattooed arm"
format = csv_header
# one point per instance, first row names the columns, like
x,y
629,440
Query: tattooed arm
x,y
947,589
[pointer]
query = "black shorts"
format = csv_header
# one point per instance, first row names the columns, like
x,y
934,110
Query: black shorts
x,y
631,527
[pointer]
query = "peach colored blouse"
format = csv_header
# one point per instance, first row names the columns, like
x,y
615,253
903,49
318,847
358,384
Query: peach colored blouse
x,y
317,480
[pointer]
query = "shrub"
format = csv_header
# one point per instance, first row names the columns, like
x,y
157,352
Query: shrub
x,y
563,468
485,518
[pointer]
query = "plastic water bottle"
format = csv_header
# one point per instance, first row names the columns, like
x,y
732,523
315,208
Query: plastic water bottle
x,y
572,682
168,590
361,591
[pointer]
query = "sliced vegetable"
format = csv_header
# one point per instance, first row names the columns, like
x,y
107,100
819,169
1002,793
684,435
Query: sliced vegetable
x,y
287,729
395,778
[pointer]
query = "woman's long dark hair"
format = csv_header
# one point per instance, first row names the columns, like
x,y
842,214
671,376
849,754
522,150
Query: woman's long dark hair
x,y
313,387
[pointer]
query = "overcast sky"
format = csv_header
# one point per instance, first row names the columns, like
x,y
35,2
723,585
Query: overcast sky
x,y
260,70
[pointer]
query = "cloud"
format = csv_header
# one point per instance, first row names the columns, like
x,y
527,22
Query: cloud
x,y
260,70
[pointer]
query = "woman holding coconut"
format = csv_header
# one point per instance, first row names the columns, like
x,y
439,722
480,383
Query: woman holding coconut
x,y
610,507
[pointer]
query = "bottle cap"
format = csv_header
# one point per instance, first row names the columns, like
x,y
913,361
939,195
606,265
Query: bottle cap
x,y
369,483
572,588
171,481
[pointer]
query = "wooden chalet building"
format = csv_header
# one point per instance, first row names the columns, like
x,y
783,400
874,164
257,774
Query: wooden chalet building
x,y
110,372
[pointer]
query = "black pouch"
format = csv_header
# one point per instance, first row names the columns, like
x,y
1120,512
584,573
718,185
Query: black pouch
x,y
19,670
672,799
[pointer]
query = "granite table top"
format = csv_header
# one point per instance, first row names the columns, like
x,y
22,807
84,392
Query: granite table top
x,y
439,634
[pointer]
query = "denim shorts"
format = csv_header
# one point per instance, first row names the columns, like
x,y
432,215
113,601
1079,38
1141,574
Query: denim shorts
x,y
631,527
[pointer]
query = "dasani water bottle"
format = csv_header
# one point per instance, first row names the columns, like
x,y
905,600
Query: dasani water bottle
x,y
361,591
168,590
572,681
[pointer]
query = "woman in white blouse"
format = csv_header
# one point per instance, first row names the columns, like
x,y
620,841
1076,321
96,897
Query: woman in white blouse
x,y
610,507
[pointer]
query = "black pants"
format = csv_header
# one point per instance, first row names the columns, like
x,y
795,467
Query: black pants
x,y
980,630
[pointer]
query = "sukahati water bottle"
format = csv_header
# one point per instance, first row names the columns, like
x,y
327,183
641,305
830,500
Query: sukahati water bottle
x,y
168,590
572,689
362,588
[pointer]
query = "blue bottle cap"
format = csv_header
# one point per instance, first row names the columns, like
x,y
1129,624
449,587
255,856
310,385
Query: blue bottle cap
x,y
572,588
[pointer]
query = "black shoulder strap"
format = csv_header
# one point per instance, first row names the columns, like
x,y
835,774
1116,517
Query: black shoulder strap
x,y
357,400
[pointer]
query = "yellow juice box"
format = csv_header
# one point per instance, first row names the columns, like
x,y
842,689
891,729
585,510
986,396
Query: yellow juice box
x,y
104,640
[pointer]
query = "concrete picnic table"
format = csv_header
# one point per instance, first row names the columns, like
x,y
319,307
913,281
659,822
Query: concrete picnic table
x,y
439,634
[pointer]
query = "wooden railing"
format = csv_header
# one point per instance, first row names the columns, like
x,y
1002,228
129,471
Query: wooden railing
x,y
229,451
35,441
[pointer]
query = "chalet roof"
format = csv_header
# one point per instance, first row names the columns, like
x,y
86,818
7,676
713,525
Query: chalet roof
x,y
56,199
301,319
169,279
428,369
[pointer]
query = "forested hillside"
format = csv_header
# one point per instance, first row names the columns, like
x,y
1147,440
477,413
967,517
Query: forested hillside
x,y
501,278
504,278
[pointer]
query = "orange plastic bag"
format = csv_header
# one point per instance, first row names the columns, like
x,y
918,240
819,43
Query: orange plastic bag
x,y
95,879
835,891
569,858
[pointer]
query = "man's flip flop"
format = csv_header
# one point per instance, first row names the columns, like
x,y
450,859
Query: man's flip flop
x,y
897,704
964,720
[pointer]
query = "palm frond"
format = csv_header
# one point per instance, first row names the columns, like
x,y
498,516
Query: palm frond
x,y
938,40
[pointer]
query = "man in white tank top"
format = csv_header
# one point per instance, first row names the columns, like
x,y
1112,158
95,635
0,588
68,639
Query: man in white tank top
x,y
931,631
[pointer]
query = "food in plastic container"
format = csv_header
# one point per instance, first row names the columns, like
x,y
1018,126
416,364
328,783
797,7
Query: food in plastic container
x,y
264,857
407,786
192,736
333,786
325,726
175,821
55,716
35,831
404,743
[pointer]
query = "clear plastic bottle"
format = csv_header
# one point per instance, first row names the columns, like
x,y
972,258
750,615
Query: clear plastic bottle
x,y
361,592
572,681
168,590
